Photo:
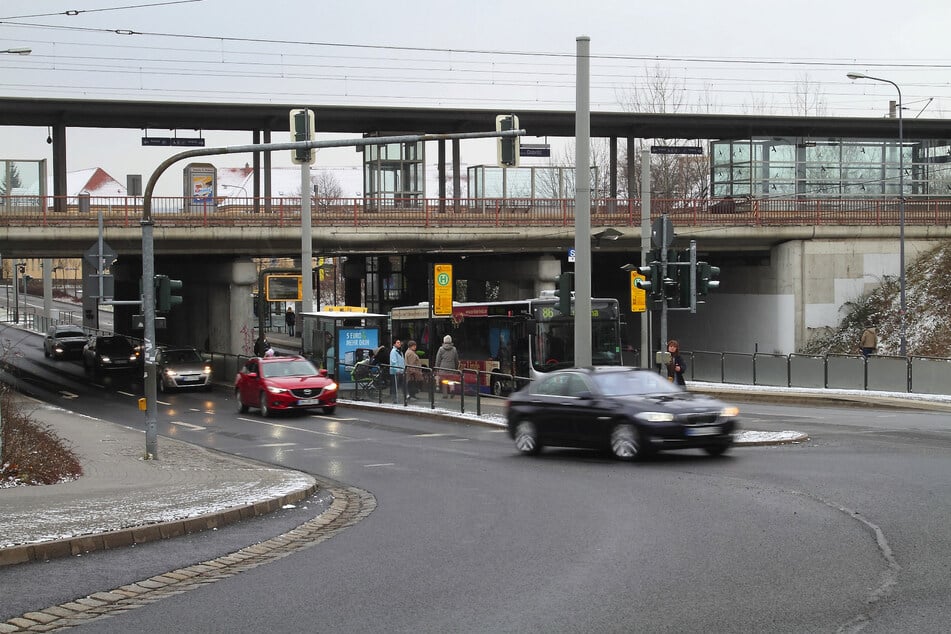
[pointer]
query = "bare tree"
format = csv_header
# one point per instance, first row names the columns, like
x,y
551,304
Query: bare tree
x,y
326,186
806,99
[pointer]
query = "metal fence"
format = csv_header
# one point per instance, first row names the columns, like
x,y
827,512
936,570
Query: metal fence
x,y
880,373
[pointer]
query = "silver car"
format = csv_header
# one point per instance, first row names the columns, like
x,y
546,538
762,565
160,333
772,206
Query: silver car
x,y
182,368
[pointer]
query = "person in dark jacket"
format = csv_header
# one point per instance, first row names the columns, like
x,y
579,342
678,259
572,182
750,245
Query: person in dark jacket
x,y
676,367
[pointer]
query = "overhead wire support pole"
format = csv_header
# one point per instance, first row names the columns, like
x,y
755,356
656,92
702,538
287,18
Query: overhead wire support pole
x,y
148,256
583,204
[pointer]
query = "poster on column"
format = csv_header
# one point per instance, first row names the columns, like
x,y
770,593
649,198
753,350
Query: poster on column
x,y
355,345
200,187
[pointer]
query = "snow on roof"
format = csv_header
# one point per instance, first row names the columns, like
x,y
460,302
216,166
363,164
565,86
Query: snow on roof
x,y
95,181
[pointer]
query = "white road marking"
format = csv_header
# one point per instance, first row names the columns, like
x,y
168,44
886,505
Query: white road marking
x,y
68,394
279,444
427,435
188,425
381,464
127,394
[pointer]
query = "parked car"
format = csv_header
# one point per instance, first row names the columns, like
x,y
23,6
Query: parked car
x,y
65,342
629,411
182,368
276,384
107,353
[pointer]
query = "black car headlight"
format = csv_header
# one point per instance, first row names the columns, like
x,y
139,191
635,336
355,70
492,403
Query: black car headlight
x,y
655,417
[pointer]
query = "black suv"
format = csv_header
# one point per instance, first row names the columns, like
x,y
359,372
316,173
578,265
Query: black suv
x,y
64,342
109,353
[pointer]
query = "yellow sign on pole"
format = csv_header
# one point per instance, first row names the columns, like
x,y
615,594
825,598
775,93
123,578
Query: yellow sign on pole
x,y
442,289
638,295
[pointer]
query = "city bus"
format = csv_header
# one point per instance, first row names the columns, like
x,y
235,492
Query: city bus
x,y
510,342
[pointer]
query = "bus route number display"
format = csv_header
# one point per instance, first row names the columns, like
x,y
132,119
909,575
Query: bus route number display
x,y
442,289
283,288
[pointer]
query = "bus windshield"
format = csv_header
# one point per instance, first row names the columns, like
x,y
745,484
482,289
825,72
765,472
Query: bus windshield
x,y
554,340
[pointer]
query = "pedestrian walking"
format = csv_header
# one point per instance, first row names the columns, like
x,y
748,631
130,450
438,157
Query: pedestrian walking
x,y
447,365
289,320
397,365
676,366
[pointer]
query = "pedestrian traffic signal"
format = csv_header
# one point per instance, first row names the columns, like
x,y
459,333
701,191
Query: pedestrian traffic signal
x,y
164,299
508,146
707,278
566,284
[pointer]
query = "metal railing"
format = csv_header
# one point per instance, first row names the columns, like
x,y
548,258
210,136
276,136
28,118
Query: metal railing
x,y
125,211
880,373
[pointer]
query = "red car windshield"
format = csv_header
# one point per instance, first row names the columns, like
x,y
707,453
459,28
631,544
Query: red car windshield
x,y
299,367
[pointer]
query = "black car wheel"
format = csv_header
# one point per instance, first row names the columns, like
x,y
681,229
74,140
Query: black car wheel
x,y
526,438
242,408
265,410
625,442
717,450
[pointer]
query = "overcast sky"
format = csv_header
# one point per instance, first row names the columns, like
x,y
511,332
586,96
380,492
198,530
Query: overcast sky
x,y
725,56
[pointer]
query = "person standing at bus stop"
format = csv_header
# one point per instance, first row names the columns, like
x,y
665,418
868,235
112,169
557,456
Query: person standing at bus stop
x,y
289,320
397,365
447,358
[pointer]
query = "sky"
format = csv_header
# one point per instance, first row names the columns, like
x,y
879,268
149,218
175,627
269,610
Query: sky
x,y
728,56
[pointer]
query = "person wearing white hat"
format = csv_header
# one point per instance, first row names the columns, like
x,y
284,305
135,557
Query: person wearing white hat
x,y
447,358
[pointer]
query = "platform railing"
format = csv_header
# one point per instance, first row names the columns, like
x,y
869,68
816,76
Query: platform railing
x,y
125,211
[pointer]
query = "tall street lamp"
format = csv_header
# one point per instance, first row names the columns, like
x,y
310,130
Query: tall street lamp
x,y
903,346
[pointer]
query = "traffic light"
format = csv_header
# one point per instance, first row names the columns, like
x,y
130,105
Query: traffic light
x,y
508,146
707,278
683,284
566,284
164,300
303,127
652,283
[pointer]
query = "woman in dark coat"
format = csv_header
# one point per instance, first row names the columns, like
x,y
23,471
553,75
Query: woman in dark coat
x,y
676,367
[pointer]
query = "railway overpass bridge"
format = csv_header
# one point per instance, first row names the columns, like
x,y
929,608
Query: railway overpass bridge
x,y
787,266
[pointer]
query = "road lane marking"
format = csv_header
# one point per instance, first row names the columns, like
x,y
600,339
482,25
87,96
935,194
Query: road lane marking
x,y
278,444
69,395
380,464
127,394
427,435
188,425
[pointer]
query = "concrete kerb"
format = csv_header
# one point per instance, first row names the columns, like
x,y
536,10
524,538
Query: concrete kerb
x,y
83,544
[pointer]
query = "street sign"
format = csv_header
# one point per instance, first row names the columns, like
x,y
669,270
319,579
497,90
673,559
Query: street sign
x,y
638,295
571,255
159,141
534,149
676,149
442,289
283,288
92,255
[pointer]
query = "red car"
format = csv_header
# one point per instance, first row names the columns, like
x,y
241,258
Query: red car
x,y
277,384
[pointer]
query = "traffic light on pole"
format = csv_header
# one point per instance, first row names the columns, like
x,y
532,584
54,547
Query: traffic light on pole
x,y
566,284
303,128
652,283
684,275
707,278
508,146
164,299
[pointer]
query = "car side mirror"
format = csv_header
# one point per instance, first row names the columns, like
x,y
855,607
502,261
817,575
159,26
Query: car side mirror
x,y
586,395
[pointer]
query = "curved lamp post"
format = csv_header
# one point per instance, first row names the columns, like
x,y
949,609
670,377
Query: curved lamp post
x,y
903,347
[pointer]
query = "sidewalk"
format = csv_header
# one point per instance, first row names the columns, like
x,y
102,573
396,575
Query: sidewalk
x,y
122,499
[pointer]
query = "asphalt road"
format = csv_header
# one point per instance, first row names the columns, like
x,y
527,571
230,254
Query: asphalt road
x,y
847,532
